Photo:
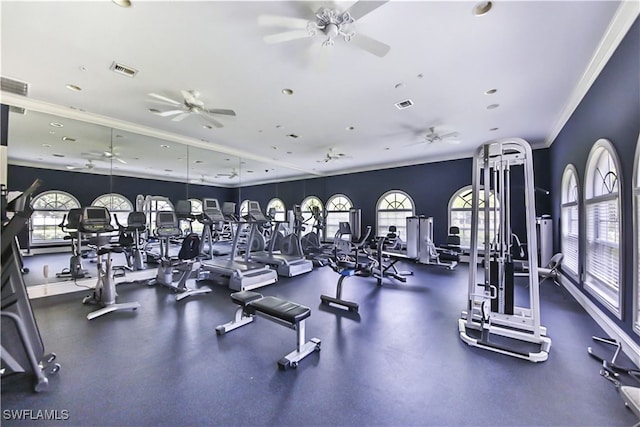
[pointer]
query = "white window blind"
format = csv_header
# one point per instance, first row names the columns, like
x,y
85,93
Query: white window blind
x,y
569,219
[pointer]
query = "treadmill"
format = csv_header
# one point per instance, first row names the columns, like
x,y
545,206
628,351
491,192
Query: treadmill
x,y
212,219
286,265
240,275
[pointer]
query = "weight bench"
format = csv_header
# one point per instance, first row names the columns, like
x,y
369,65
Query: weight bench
x,y
278,310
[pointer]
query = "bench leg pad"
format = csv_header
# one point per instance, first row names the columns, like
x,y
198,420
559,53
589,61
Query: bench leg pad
x,y
297,355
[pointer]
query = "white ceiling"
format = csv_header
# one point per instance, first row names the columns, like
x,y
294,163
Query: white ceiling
x,y
540,56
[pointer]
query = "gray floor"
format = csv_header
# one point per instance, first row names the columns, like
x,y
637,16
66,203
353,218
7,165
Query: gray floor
x,y
399,363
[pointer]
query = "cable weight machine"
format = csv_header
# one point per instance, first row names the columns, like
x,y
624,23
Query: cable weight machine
x,y
492,320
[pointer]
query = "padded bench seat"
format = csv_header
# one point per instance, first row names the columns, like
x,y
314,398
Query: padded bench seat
x,y
281,311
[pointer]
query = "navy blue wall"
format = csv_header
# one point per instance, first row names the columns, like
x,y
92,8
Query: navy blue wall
x,y
611,110
430,185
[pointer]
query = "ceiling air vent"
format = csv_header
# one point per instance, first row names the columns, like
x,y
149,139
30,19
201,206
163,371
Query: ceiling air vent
x,y
18,110
404,104
123,69
14,86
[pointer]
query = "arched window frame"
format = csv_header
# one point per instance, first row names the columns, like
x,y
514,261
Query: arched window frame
x,y
603,258
570,217
306,206
338,207
459,210
392,208
117,204
281,210
636,246
49,208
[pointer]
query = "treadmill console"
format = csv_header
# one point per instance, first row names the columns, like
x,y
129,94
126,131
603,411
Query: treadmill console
x,y
255,213
211,208
167,224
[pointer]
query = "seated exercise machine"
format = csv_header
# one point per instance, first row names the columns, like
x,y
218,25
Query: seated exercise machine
x,y
612,371
421,247
167,227
70,223
130,239
22,349
280,311
492,320
350,259
97,221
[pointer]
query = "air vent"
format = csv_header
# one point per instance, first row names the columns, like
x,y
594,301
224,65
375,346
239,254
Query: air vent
x,y
293,136
404,104
18,110
14,86
123,69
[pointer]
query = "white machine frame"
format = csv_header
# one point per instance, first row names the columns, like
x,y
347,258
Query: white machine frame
x,y
493,161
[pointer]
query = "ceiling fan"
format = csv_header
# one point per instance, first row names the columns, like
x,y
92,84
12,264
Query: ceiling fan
x,y
202,180
230,175
329,22
433,137
190,104
87,166
105,155
331,156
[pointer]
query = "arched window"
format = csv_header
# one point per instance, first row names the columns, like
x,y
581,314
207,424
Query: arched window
x,y
244,208
393,208
196,209
636,225
570,226
117,205
602,214
338,207
460,209
306,206
278,205
49,208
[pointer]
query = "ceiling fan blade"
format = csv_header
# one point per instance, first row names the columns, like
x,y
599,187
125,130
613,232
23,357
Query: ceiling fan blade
x,y
286,36
372,46
282,21
361,8
212,121
219,111
120,160
72,168
169,113
180,117
449,135
165,99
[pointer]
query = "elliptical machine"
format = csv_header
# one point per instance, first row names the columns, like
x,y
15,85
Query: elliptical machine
x,y
167,226
97,220
70,224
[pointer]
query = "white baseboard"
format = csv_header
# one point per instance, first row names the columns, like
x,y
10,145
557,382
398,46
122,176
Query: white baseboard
x,y
58,288
629,346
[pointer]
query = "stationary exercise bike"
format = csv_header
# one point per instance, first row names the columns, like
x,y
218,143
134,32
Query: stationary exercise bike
x,y
97,221
70,223
167,227
129,239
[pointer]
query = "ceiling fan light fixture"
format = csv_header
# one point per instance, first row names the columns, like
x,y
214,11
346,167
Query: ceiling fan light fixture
x,y
74,88
492,106
482,8
56,124
490,91
287,91
122,3
68,139
493,129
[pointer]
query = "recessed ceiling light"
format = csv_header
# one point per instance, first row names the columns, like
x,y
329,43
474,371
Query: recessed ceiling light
x,y
164,146
243,163
46,145
420,75
287,91
168,170
227,160
68,139
154,110
58,155
399,85
492,106
198,161
56,124
293,136
278,126
207,126
249,171
350,128
289,152
492,129
387,148
490,91
274,147
51,132
73,88
482,8
122,3
83,68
